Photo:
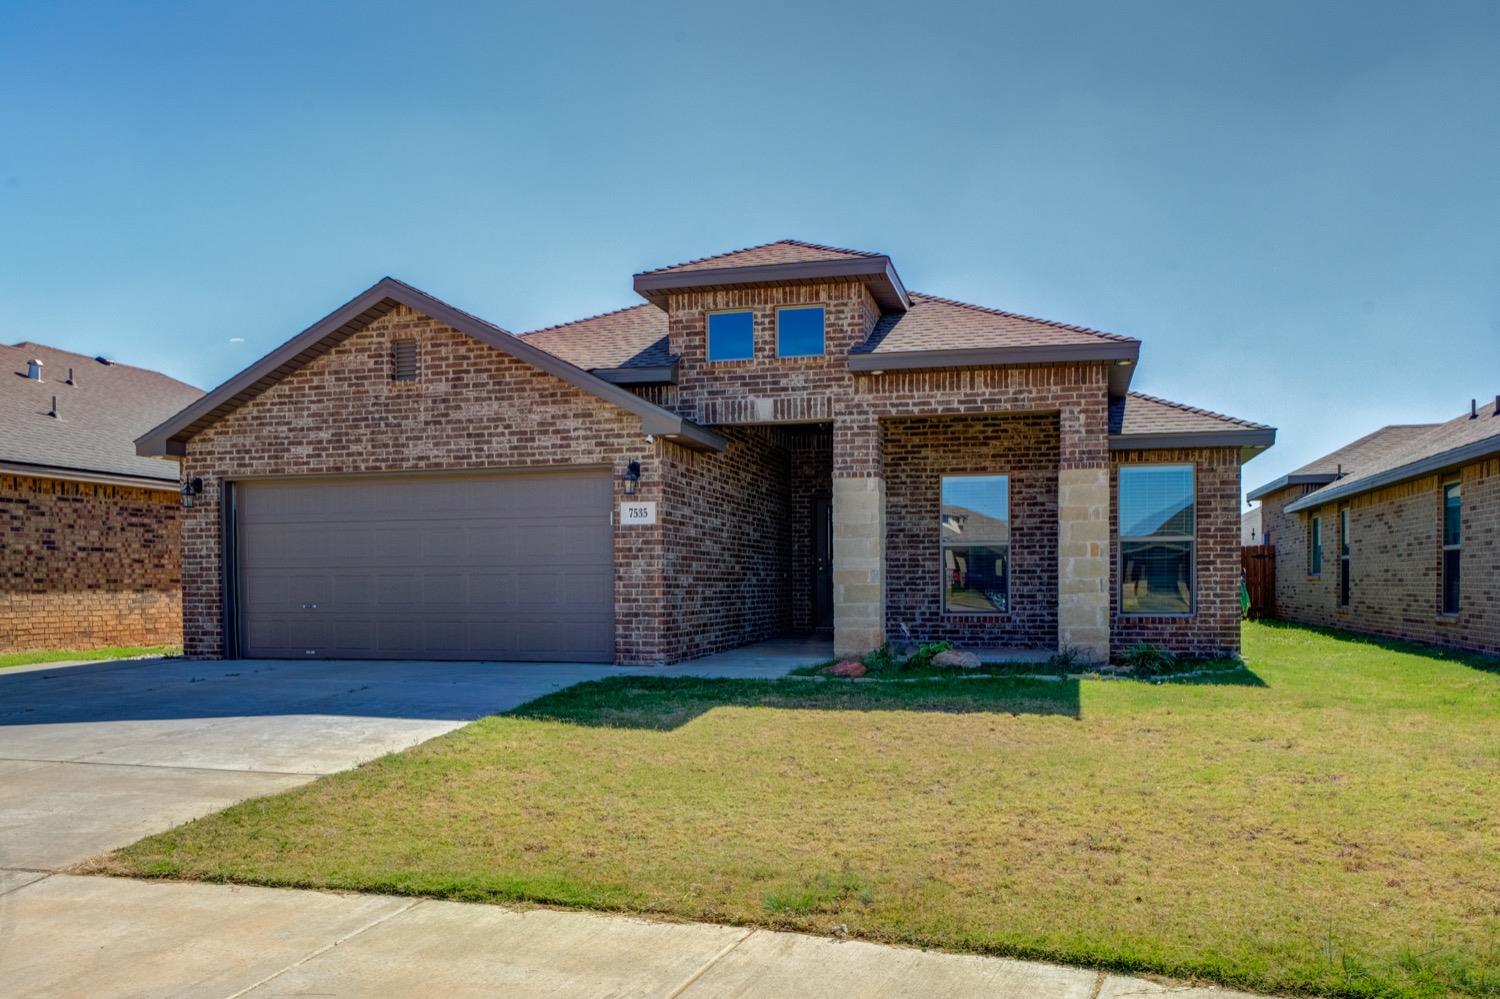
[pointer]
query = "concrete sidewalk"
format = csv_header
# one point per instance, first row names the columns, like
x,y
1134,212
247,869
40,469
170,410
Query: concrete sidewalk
x,y
104,937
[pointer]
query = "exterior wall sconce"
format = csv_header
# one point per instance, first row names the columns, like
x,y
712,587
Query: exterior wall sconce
x,y
190,489
632,477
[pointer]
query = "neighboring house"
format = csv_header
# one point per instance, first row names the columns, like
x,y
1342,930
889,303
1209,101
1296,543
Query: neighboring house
x,y
89,548
1250,530
1396,534
780,440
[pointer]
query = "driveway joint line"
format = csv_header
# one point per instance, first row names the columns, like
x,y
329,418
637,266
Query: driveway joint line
x,y
164,766
708,965
326,948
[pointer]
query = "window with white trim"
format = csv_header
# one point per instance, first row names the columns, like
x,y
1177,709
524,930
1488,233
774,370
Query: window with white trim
x,y
1158,539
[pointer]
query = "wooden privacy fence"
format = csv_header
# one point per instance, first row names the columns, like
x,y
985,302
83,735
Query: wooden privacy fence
x,y
1258,568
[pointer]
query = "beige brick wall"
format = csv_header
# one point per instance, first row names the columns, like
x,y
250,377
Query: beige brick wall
x,y
88,566
1395,542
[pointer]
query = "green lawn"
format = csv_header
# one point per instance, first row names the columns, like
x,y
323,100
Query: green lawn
x,y
1326,821
74,655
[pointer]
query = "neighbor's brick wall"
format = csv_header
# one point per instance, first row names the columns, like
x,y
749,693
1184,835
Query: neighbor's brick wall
x,y
87,566
1214,625
728,544
918,452
1395,564
471,407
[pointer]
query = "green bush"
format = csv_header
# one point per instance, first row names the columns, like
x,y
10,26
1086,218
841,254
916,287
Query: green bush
x,y
1147,659
922,658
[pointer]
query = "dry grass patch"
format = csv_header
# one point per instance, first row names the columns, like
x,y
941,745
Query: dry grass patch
x,y
1332,830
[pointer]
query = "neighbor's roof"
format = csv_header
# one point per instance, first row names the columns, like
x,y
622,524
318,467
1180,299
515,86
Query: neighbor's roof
x,y
1418,450
1144,422
170,437
98,416
1371,450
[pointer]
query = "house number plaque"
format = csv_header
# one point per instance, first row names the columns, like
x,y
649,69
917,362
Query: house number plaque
x,y
637,513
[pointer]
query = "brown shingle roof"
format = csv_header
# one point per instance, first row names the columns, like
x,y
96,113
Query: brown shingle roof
x,y
783,251
626,338
98,417
1138,414
1405,451
935,323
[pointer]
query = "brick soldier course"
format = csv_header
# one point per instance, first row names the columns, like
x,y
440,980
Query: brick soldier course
x,y
736,453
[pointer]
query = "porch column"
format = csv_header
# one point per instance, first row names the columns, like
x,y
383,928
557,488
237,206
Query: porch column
x,y
1083,536
858,537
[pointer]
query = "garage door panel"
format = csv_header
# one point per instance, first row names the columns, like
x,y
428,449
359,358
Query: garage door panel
x,y
482,567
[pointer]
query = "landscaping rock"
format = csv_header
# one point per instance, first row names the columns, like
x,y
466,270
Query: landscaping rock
x,y
849,667
956,659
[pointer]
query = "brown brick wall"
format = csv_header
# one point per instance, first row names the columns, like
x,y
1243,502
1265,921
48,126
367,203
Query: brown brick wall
x,y
728,548
1214,625
87,566
471,407
811,454
1395,565
918,452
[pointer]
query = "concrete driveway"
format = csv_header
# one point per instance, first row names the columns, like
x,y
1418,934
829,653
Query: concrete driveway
x,y
94,756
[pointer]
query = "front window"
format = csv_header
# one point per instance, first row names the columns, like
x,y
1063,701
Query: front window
x,y
1158,540
731,336
799,332
1452,539
974,525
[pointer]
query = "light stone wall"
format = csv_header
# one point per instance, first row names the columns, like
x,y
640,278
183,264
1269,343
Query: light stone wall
x,y
1083,561
858,565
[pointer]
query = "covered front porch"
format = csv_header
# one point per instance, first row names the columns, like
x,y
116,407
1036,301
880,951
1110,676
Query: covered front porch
x,y
987,530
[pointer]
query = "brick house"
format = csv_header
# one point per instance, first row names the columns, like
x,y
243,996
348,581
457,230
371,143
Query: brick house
x,y
89,549
779,440
1395,534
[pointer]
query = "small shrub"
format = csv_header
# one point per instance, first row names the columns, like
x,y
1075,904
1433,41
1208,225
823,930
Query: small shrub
x,y
1148,659
882,660
1068,659
922,658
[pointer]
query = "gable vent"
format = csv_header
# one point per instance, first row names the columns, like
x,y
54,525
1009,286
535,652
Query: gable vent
x,y
404,360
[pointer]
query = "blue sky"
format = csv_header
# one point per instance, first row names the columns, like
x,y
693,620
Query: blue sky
x,y
1294,205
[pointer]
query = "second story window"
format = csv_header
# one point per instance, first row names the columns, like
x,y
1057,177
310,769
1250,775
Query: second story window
x,y
799,332
731,336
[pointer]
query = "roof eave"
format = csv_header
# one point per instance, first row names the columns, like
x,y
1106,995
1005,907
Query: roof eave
x,y
878,273
1410,470
87,475
1250,441
1286,481
170,437
644,374
1123,354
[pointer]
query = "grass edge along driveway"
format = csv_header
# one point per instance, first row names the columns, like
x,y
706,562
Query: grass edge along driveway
x,y
35,657
1321,822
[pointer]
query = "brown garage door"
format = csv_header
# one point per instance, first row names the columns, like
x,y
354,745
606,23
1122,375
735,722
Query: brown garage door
x,y
503,566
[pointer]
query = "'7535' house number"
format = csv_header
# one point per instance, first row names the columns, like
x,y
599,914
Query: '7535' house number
x,y
637,513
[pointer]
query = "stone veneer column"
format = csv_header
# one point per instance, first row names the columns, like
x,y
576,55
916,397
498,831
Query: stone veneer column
x,y
858,537
1083,532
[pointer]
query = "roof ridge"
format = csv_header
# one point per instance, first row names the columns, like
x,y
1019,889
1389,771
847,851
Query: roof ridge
x,y
587,319
1021,315
1200,411
761,246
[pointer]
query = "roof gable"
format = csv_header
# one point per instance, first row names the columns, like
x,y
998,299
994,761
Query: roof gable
x,y
782,251
170,437
1145,422
98,415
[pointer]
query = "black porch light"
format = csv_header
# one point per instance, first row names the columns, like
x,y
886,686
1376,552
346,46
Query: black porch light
x,y
191,488
632,477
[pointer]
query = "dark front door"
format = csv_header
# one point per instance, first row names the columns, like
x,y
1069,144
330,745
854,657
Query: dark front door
x,y
822,562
